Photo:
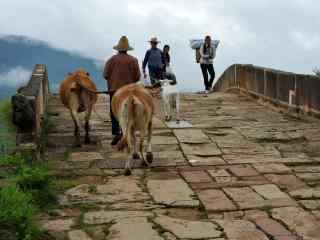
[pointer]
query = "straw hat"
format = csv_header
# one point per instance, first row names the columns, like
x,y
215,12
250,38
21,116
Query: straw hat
x,y
154,40
123,45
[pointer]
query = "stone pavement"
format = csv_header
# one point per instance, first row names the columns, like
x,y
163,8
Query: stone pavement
x,y
241,172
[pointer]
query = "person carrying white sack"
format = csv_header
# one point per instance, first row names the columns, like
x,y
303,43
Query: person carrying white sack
x,y
168,71
207,54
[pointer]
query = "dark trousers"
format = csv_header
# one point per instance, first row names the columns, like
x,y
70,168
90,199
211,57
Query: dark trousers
x,y
155,74
116,130
208,68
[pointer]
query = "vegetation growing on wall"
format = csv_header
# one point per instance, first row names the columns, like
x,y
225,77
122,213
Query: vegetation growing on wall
x,y
27,188
7,129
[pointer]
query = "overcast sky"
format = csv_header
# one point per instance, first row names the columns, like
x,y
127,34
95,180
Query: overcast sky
x,y
282,34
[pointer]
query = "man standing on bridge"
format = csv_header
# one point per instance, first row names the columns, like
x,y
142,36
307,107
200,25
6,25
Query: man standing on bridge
x,y
155,60
120,70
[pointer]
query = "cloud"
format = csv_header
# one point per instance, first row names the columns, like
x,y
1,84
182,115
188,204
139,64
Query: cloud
x,y
279,34
15,77
309,42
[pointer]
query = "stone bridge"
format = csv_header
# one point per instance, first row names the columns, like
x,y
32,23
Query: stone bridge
x,y
247,168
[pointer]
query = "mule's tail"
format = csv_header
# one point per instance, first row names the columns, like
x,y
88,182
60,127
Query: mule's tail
x,y
129,121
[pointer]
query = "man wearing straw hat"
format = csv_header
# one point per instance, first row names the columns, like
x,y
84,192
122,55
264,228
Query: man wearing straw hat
x,y
120,70
156,62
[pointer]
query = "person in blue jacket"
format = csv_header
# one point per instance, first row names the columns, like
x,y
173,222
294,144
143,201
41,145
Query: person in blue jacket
x,y
155,60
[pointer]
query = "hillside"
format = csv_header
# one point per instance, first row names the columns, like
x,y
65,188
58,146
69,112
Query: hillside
x,y
20,53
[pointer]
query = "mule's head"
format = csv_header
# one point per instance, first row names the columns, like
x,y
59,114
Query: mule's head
x,y
166,82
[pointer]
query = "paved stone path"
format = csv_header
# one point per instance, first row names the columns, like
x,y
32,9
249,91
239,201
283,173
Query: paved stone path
x,y
241,172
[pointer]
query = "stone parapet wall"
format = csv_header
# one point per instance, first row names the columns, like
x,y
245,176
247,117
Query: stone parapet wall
x,y
29,107
290,90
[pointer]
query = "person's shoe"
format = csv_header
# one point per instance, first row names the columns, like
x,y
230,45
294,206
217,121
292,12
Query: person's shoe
x,y
115,140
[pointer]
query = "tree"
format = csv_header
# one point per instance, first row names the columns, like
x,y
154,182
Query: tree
x,y
317,72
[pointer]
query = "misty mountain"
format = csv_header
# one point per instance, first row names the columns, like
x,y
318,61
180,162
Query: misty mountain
x,y
19,54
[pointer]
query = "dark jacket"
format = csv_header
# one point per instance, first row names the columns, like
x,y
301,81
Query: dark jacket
x,y
154,58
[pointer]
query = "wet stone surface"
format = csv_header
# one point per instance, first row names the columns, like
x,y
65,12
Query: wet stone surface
x,y
235,170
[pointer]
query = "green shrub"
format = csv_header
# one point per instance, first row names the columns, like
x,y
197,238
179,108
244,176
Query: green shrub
x,y
7,129
37,181
17,214
6,124
15,160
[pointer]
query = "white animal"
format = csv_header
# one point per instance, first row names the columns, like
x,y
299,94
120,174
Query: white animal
x,y
170,100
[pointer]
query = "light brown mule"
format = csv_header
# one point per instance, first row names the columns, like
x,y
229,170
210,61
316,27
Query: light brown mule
x,y
76,93
133,107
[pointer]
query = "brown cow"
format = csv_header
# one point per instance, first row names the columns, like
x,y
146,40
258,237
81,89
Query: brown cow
x,y
133,107
76,93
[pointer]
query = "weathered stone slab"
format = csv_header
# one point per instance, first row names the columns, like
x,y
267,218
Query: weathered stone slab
x,y
251,215
174,192
115,190
272,227
219,173
251,151
204,150
181,124
196,176
78,235
59,225
188,229
216,200
311,204
272,168
122,189
85,156
135,206
103,217
309,177
83,160
288,182
304,223
241,229
243,171
270,191
242,159
170,155
164,140
245,197
205,161
306,193
133,229
306,169
191,136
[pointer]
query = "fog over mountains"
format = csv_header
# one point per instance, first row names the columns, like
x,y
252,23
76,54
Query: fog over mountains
x,y
19,54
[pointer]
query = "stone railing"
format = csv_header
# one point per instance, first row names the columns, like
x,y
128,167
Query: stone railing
x,y
289,90
29,106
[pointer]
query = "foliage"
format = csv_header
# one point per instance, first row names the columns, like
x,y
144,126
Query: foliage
x,y
17,214
47,124
36,181
317,72
7,128
5,116
13,160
